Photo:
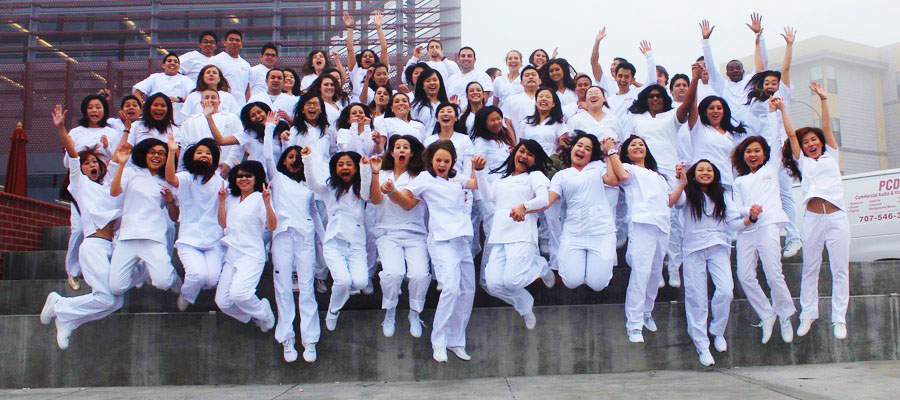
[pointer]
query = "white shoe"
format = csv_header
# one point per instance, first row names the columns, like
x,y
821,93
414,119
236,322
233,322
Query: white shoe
x,y
650,324
73,282
49,310
269,322
181,303
309,353
767,325
635,336
805,325
290,353
321,287
674,279
439,287
415,324
620,242
549,278
460,353
370,288
331,320
63,334
791,249
840,330
440,354
706,358
721,344
389,324
787,330
530,320
662,283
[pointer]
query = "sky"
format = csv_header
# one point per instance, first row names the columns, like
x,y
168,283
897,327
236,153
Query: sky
x,y
493,27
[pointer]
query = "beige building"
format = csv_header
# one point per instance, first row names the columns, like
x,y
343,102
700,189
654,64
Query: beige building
x,y
863,83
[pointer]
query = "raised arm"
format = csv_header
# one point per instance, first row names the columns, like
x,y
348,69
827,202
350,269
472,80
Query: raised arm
x,y
220,140
312,178
121,158
340,67
682,182
478,163
365,178
375,195
789,35
715,77
687,111
760,58
378,20
271,218
826,115
614,165
170,161
595,56
796,151
59,119
223,194
351,50
268,148
651,63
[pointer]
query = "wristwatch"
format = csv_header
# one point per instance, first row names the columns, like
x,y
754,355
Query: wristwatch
x,y
612,152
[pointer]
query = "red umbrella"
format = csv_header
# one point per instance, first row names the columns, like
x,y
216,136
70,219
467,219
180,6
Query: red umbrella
x,y
16,176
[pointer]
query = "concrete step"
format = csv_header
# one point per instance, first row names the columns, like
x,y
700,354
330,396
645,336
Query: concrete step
x,y
27,296
55,238
211,348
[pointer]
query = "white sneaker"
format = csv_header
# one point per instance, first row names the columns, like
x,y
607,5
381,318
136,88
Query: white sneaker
x,y
389,324
635,336
840,330
321,287
309,353
706,358
767,325
290,353
49,310
787,330
331,320
805,325
415,324
460,353
63,334
440,354
370,288
439,287
268,322
181,303
721,344
791,249
674,279
650,324
530,320
549,278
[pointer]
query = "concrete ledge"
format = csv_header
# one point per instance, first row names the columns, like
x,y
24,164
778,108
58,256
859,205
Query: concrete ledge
x,y
211,348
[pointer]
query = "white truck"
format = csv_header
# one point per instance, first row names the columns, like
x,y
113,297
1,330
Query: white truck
x,y
872,201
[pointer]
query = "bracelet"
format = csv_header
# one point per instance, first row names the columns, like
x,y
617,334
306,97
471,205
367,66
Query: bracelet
x,y
127,131
753,219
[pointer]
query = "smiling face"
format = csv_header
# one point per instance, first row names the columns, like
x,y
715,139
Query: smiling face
x,y
366,59
268,58
275,81
202,153
292,161
770,85
380,76
312,109
655,101
556,73
514,60
382,96
208,45
345,168
212,77
594,98
523,160
156,158
624,79
714,113
432,85
401,153
543,101
91,168
327,88
754,156
234,44
446,116
637,150
581,152
94,112
171,64
494,122
581,86
466,60
245,181
704,174
475,94
257,115
540,58
811,145
132,109
735,71
289,80
318,60
159,109
442,163
400,106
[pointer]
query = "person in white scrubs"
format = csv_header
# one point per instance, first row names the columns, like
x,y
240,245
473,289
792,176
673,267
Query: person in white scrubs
x,y
397,120
234,67
168,82
268,57
430,92
192,61
557,75
210,78
359,64
510,83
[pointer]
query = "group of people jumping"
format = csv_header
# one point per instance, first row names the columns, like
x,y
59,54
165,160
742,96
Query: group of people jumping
x,y
544,171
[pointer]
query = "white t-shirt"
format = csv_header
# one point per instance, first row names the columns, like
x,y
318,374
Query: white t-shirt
x,y
144,213
140,132
425,114
517,107
95,205
547,135
307,81
503,88
659,135
258,79
88,138
291,200
606,127
245,224
583,196
352,140
395,126
567,97
708,143
465,150
456,85
237,72
192,104
346,220
199,204
448,211
495,152
446,67
708,231
319,144
526,188
760,187
196,128
170,85
283,101
647,194
390,217
822,177
191,64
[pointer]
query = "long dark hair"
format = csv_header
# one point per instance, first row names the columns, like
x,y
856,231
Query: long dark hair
x,y
649,161
162,125
139,154
642,103
556,114
415,165
533,53
372,84
787,154
389,113
84,105
343,121
437,124
200,168
258,129
737,156
754,86
253,167
468,110
540,159
295,90
727,122
596,147
340,97
82,158
300,176
568,79
300,118
421,98
335,180
480,129
308,67
221,86
696,196
433,148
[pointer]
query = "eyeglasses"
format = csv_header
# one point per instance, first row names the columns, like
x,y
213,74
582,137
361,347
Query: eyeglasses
x,y
654,96
208,42
239,176
157,153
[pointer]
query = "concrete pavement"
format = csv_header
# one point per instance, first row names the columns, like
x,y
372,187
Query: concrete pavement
x,y
865,380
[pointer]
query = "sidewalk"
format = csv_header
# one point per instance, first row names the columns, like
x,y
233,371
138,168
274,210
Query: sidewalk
x,y
867,380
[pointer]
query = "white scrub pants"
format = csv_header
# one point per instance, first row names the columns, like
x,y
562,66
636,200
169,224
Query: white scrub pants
x,y
831,231
202,268
349,269
455,271
371,249
552,230
587,260
785,182
236,292
717,261
675,253
763,243
76,236
319,219
646,249
514,266
622,214
403,254
292,252
485,212
74,311
156,260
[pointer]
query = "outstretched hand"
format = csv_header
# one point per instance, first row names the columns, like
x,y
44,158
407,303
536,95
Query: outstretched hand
x,y
818,90
696,71
789,35
680,172
755,24
375,162
123,152
266,193
705,29
645,47
305,151
348,20
173,146
378,19
600,35
59,116
222,193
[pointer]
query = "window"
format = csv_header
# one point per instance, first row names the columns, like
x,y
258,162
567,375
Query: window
x,y
836,128
815,75
897,81
825,76
830,80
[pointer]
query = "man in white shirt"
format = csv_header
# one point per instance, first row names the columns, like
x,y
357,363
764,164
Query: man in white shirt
x,y
519,106
235,68
192,62
281,103
436,60
197,128
457,83
267,59
169,82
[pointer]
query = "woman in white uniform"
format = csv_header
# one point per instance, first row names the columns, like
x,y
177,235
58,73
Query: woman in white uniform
x,y
474,102
429,94
250,140
316,62
169,82
157,121
715,136
493,141
355,130
397,120
210,77
557,75
813,159
546,124
509,84
594,120
245,213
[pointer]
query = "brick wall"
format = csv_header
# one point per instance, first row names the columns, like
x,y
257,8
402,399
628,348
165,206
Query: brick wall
x,y
22,218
